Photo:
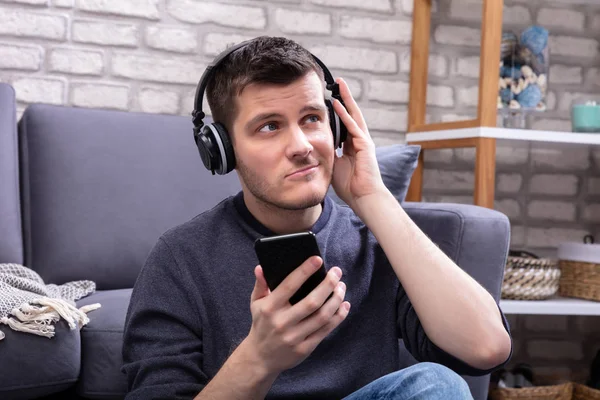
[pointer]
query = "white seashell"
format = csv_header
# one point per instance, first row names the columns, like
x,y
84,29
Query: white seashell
x,y
523,83
499,103
541,107
502,84
526,71
514,104
542,80
516,89
508,81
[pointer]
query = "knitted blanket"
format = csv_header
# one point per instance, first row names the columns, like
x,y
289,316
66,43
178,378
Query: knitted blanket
x,y
29,305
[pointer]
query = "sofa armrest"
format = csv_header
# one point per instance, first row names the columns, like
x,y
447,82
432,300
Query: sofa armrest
x,y
477,239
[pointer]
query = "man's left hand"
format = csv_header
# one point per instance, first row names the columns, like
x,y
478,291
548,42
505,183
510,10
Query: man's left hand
x,y
356,173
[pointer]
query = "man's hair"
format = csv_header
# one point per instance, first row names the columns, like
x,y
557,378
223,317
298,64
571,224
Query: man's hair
x,y
270,60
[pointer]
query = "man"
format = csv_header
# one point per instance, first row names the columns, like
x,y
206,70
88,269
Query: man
x,y
202,321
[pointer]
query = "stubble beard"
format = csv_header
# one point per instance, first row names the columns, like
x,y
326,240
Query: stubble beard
x,y
262,191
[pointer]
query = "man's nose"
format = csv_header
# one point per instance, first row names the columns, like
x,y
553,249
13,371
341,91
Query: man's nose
x,y
299,145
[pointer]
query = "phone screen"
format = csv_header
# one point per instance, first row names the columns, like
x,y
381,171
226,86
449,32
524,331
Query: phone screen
x,y
280,255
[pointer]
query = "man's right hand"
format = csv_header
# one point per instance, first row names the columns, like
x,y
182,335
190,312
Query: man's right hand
x,y
283,335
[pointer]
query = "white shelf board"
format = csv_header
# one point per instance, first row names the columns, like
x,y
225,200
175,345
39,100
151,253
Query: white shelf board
x,y
553,306
529,135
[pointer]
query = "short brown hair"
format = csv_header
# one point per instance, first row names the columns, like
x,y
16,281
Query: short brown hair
x,y
265,59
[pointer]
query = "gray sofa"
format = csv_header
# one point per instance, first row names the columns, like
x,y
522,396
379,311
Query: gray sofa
x,y
84,194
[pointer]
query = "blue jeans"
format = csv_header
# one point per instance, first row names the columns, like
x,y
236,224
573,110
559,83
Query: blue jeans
x,y
423,381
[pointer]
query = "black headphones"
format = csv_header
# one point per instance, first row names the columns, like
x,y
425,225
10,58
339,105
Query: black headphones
x,y
213,140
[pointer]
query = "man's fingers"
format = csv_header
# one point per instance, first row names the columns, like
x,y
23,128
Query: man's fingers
x,y
313,340
324,314
347,119
293,281
351,104
261,289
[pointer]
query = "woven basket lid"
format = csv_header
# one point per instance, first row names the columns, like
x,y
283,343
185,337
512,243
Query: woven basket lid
x,y
583,252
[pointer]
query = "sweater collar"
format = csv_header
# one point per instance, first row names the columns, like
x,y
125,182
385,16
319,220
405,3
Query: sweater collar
x,y
247,216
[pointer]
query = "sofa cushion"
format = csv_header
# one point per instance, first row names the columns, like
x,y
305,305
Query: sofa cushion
x,y
101,344
102,186
11,244
396,164
32,366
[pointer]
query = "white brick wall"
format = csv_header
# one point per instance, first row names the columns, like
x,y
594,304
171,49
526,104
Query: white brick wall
x,y
552,125
171,38
376,30
159,101
292,21
452,181
63,3
221,14
387,91
458,35
554,184
20,57
32,24
567,159
574,46
438,64
129,8
593,186
468,96
155,69
39,90
385,119
552,237
31,2
470,10
466,66
372,5
563,74
78,62
595,25
561,19
551,210
96,95
214,43
509,182
105,33
593,76
357,58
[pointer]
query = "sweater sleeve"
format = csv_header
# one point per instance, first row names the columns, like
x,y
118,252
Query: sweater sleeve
x,y
423,349
162,343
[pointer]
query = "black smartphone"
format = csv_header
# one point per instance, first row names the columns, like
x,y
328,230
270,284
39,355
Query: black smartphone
x,y
280,255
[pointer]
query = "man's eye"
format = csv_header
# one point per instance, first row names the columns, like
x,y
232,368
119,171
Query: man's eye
x,y
270,127
313,118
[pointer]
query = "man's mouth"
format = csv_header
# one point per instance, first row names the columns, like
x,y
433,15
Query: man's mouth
x,y
303,171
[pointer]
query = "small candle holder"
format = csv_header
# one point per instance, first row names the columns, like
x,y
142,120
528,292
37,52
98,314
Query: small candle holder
x,y
585,117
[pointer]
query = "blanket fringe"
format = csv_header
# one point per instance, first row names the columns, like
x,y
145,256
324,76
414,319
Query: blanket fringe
x,y
39,315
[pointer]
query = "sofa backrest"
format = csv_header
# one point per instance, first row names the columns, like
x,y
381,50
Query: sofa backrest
x,y
11,243
101,186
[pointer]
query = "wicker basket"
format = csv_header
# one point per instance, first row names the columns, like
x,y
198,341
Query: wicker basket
x,y
565,391
528,277
580,270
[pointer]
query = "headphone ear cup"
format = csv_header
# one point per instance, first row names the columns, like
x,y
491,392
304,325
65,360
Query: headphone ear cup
x,y
338,129
226,151
209,152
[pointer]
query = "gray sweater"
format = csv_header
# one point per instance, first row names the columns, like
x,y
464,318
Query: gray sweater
x,y
190,309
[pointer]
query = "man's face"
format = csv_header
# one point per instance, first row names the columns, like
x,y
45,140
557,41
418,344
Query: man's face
x,y
283,143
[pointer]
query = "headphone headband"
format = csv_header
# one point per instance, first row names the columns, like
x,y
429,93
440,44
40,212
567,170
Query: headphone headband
x,y
198,114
